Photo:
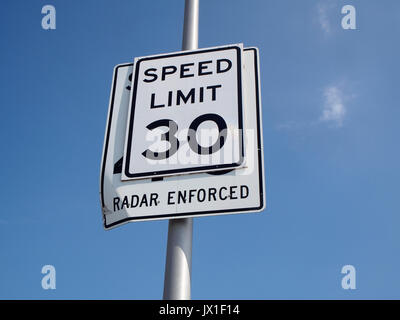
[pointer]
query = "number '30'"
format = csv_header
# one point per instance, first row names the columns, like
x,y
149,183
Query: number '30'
x,y
170,136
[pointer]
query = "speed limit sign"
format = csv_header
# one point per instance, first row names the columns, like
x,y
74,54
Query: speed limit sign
x,y
228,191
185,114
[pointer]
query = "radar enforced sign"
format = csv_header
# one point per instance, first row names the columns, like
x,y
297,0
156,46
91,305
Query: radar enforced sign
x,y
179,145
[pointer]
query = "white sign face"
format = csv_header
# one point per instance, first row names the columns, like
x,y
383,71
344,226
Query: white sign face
x,y
194,195
185,114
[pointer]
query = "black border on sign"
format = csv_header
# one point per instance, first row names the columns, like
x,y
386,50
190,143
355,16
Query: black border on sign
x,y
107,137
193,169
260,167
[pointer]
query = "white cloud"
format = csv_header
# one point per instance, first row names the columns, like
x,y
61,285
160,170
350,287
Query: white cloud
x,y
323,10
334,109
286,125
323,18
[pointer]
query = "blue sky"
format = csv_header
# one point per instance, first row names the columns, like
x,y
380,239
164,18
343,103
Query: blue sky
x,y
330,117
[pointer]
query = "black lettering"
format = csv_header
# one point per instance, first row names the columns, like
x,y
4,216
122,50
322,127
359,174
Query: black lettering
x,y
168,136
153,199
244,191
180,95
232,192
118,166
219,68
144,201
203,197
214,91
201,95
220,193
191,194
182,196
116,203
211,193
153,75
169,98
152,105
130,80
125,203
134,201
165,71
202,67
183,69
170,195
192,133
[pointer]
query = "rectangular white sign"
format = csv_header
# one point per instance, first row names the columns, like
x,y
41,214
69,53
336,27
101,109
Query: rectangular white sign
x,y
185,113
202,194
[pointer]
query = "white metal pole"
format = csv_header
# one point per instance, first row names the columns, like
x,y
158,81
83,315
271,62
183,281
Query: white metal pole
x,y
190,39
178,265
